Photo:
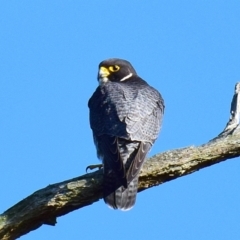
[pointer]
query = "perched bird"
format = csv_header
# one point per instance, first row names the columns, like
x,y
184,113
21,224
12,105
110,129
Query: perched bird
x,y
125,117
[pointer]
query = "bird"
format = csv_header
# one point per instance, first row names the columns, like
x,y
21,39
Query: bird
x,y
125,115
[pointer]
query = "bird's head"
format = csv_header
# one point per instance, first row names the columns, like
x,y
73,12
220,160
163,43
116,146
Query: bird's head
x,y
115,70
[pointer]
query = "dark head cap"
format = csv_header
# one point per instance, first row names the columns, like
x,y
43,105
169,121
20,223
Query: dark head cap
x,y
116,70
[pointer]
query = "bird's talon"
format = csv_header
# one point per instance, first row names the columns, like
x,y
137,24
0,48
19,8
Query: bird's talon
x,y
91,167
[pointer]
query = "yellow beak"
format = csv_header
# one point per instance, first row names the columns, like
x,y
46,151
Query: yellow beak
x,y
103,72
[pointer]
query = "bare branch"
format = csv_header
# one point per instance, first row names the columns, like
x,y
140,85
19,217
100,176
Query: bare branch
x,y
45,205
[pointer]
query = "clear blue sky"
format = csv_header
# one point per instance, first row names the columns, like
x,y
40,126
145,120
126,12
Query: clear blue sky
x,y
49,54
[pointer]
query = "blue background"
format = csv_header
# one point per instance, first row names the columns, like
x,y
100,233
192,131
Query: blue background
x,y
49,56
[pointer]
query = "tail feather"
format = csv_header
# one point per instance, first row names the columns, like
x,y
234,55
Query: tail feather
x,y
122,162
123,198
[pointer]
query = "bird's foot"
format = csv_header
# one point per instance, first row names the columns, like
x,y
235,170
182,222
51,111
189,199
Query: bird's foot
x,y
91,167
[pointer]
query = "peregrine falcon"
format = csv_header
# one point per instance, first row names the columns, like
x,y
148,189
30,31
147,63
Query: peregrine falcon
x,y
125,118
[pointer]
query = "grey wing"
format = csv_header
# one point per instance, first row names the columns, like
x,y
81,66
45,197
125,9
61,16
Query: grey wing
x,y
143,125
107,127
145,116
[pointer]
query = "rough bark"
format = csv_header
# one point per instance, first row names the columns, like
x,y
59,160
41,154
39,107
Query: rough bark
x,y
45,205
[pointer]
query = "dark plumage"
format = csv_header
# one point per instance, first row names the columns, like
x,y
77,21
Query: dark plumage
x,y
125,117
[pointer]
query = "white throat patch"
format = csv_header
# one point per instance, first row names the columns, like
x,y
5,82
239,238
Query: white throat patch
x,y
103,80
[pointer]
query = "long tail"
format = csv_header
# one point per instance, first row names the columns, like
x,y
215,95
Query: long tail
x,y
122,198
122,162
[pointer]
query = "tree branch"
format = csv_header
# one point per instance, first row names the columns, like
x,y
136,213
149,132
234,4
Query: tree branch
x,y
45,205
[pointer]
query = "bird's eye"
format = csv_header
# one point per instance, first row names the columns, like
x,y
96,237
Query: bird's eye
x,y
114,68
